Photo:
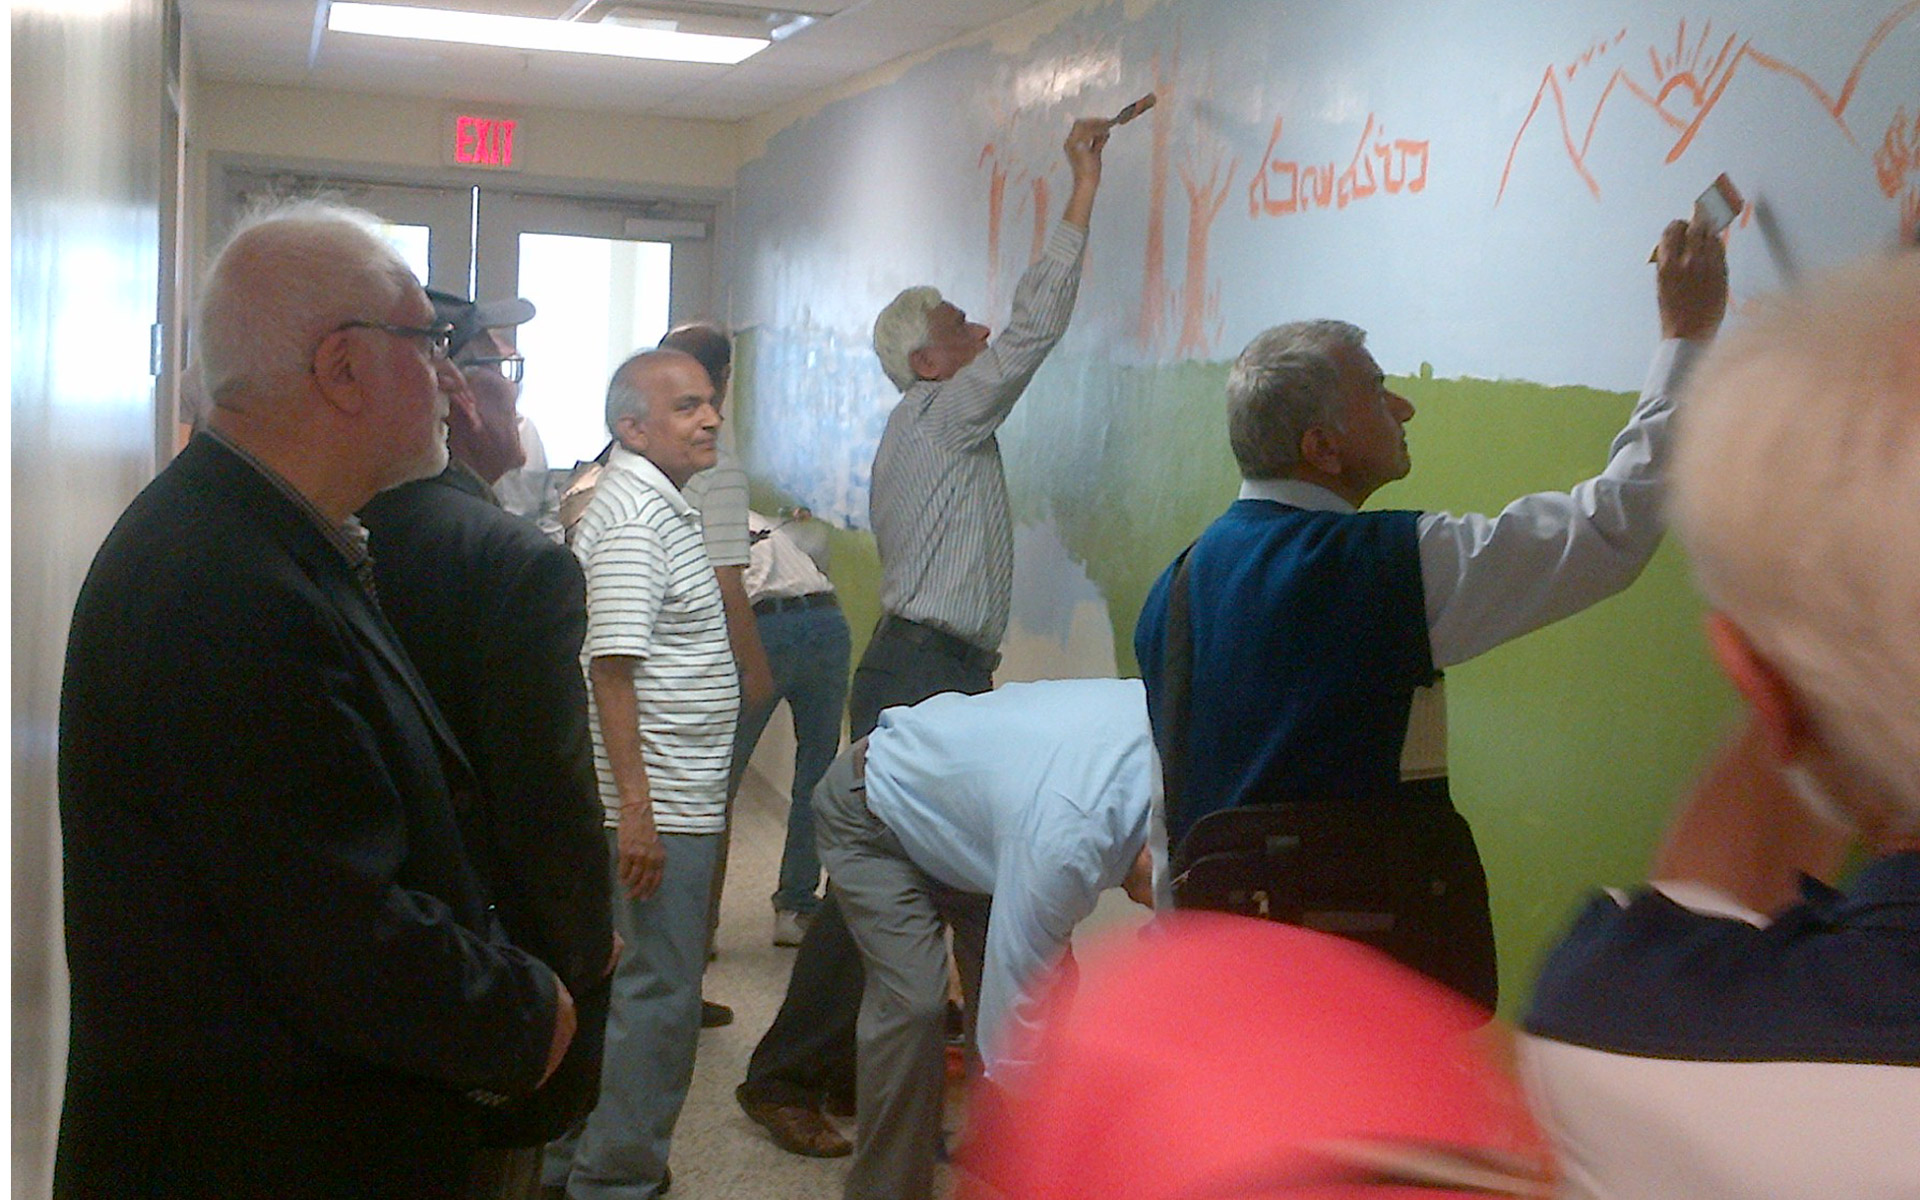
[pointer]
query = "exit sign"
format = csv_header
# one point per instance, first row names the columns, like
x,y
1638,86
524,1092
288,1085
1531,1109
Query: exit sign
x,y
478,141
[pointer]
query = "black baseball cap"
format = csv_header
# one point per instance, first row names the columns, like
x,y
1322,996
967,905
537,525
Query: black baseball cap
x,y
469,319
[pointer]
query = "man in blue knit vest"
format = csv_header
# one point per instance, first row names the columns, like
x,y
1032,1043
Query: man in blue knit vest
x,y
1319,631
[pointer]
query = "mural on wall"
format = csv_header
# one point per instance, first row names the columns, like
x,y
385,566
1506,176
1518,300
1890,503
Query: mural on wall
x,y
1194,305
1206,183
1686,82
1408,166
1405,165
1897,165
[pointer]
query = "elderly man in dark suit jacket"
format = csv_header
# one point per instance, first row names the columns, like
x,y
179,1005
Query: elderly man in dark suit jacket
x,y
492,612
285,977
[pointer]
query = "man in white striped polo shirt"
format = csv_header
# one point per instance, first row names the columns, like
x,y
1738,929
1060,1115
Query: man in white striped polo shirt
x,y
663,699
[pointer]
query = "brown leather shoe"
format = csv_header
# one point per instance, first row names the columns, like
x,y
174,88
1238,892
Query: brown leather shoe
x,y
836,1104
797,1129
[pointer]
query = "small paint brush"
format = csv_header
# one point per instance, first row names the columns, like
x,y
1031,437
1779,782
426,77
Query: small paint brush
x,y
1135,109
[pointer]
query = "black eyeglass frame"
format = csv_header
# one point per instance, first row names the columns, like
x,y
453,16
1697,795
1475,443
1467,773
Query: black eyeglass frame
x,y
438,336
511,367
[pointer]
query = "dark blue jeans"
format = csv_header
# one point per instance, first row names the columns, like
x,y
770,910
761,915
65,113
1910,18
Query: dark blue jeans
x,y
809,650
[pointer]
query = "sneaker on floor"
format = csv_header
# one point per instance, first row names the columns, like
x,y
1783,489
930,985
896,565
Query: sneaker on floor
x,y
788,927
713,1016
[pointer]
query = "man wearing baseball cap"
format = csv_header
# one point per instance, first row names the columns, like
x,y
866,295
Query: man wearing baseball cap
x,y
492,612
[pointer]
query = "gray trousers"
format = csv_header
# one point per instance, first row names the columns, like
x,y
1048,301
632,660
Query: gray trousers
x,y
653,1025
897,916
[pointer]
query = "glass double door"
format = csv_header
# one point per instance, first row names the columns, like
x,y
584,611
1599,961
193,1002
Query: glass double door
x,y
605,277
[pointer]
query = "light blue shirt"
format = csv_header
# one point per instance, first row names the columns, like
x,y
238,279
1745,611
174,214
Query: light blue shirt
x,y
1038,794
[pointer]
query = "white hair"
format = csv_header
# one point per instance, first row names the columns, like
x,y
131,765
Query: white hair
x,y
1285,382
287,276
1796,490
900,329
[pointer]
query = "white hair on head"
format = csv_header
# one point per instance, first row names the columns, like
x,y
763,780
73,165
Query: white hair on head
x,y
289,274
900,329
1285,382
1796,490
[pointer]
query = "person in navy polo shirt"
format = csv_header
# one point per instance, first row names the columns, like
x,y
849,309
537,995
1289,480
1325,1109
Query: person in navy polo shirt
x,y
1737,1028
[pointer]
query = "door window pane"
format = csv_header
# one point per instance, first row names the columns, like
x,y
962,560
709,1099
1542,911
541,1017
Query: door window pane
x,y
599,300
411,243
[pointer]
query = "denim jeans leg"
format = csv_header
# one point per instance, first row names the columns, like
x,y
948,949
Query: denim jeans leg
x,y
818,651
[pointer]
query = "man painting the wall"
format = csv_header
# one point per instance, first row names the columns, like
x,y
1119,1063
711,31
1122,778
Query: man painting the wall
x,y
944,529
1318,632
1738,1028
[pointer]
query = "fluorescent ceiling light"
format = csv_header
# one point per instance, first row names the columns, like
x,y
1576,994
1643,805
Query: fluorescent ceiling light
x,y
534,33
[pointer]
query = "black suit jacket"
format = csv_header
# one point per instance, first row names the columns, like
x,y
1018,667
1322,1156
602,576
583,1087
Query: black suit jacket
x,y
285,973
493,612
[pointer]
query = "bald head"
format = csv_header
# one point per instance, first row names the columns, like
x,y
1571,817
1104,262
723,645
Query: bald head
x,y
661,405
317,351
285,278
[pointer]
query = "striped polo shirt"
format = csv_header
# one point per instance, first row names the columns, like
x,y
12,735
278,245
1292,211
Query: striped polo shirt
x,y
652,596
720,493
939,497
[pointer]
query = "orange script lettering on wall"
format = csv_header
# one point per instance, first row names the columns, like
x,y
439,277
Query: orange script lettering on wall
x,y
1283,185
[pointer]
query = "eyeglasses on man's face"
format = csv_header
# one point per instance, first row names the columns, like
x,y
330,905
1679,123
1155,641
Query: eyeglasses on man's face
x,y
438,335
511,367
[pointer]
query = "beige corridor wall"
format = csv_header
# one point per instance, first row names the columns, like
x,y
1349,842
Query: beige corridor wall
x,y
404,132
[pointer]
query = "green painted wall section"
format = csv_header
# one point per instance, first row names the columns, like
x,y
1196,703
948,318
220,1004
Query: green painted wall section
x,y
1568,747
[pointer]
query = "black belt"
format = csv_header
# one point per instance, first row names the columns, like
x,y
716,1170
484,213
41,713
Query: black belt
x,y
774,604
938,640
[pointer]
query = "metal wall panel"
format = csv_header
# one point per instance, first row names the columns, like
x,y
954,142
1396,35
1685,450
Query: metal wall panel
x,y
90,147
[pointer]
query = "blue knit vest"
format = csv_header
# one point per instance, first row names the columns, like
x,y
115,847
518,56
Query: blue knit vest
x,y
1309,638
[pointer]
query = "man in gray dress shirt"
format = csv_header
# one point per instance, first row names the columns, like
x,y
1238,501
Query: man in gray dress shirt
x,y
945,532
939,502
